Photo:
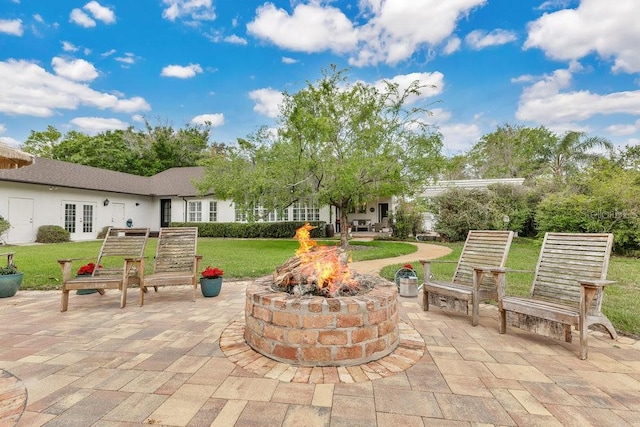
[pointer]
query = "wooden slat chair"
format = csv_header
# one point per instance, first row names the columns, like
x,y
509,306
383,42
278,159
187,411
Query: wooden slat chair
x,y
567,289
486,248
176,262
121,258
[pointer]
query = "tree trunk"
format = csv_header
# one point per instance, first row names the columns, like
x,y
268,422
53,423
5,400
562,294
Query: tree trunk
x,y
344,228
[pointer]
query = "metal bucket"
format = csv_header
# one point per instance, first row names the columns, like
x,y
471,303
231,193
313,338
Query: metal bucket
x,y
408,286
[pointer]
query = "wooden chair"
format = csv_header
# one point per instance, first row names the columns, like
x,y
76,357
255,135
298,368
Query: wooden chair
x,y
567,289
482,248
121,258
176,262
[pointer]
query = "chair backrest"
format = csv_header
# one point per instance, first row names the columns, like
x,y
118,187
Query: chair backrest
x,y
120,243
176,248
482,248
567,257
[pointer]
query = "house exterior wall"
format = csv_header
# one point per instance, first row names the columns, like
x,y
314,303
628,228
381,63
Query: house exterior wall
x,y
29,206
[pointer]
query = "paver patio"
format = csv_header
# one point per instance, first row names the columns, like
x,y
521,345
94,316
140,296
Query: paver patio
x,y
162,364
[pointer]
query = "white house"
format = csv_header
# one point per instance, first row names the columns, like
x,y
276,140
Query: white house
x,y
84,199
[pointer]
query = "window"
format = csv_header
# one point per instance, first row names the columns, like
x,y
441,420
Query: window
x,y
241,216
213,211
306,211
87,218
70,217
194,210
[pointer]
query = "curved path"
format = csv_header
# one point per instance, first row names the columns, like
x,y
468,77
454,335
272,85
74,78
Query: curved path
x,y
425,251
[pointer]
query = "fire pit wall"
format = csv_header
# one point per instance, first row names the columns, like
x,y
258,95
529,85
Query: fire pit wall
x,y
318,331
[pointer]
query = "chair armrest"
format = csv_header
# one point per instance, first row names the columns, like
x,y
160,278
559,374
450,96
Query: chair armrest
x,y
442,261
595,283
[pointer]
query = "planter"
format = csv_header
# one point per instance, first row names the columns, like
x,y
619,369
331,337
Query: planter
x,y
85,291
9,284
210,287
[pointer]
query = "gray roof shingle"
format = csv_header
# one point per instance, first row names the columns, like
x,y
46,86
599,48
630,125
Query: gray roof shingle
x,y
172,182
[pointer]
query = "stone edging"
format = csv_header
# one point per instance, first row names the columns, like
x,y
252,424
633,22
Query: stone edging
x,y
410,349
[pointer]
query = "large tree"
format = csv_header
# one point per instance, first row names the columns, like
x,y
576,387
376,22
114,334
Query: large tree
x,y
338,144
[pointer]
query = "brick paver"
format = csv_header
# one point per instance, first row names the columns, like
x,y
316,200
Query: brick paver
x,y
168,363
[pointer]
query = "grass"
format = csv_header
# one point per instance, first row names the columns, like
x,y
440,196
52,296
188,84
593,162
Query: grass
x,y
239,258
621,301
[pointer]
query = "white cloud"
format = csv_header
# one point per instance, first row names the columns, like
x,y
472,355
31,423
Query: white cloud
x,y
68,46
609,29
12,142
181,72
77,16
197,10
433,82
138,118
624,129
38,18
214,119
399,28
456,137
267,101
547,101
75,69
452,45
11,26
128,58
311,28
95,125
3,128
99,12
480,39
233,39
287,60
108,53
28,89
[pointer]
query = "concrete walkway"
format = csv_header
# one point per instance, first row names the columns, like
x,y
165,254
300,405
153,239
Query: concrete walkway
x,y
164,364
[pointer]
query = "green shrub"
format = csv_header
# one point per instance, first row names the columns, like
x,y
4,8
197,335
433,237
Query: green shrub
x,y
253,230
4,225
406,221
52,234
102,234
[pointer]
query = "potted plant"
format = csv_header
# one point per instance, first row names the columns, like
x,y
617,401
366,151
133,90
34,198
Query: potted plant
x,y
211,281
86,270
10,279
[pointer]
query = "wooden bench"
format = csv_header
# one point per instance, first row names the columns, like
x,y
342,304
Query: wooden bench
x,y
466,289
567,289
121,264
9,257
176,262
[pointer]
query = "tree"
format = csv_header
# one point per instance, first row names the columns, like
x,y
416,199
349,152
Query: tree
x,y
42,143
571,151
511,152
338,144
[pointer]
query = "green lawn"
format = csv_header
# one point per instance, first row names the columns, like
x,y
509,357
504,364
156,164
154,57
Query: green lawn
x,y
239,258
621,301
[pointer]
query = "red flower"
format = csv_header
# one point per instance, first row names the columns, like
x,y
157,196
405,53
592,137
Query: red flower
x,y
408,266
87,269
212,272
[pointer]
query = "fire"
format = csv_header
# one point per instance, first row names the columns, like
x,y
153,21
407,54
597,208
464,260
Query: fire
x,y
323,265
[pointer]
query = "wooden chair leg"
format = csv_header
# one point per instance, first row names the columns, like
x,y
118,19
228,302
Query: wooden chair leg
x,y
123,296
425,299
65,300
143,290
502,314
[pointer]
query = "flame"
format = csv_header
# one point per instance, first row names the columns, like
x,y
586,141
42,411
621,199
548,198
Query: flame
x,y
323,263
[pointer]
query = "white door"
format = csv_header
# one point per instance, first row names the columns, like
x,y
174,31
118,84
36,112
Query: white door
x,y
117,215
21,219
79,219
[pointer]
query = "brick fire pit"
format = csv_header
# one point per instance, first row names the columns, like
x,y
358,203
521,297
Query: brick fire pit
x,y
318,331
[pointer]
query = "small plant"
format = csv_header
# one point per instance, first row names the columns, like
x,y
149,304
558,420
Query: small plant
x,y
4,225
87,269
52,234
212,273
9,269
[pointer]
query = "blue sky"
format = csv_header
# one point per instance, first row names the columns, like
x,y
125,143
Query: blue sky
x,y
97,65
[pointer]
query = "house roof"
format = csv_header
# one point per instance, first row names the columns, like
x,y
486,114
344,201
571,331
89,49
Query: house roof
x,y
441,186
172,182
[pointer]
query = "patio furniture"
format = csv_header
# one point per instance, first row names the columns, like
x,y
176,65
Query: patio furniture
x,y
361,225
176,262
119,264
567,289
482,248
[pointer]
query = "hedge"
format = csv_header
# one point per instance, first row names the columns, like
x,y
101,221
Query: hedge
x,y
253,230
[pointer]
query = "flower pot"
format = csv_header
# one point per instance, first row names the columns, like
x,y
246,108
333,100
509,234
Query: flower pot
x,y
210,287
9,284
85,291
